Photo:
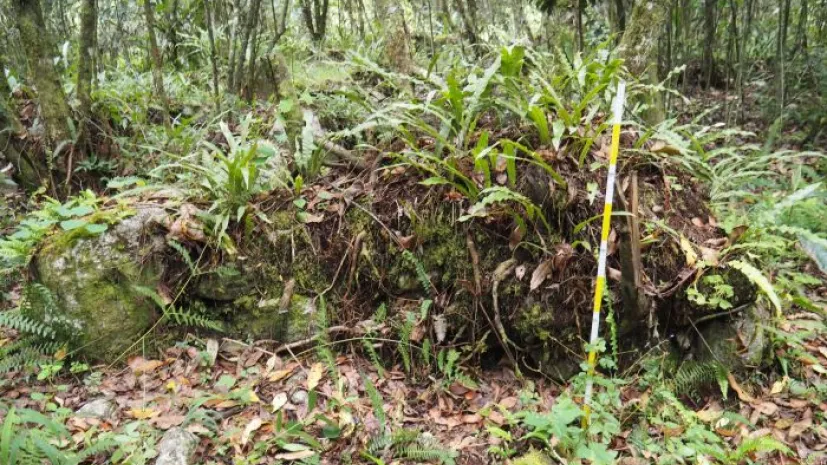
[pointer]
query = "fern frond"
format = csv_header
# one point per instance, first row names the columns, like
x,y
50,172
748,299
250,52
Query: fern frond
x,y
405,339
376,402
188,318
693,375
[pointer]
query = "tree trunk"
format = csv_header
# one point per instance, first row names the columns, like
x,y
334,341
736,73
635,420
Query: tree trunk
x,y
639,42
251,67
621,16
172,34
157,61
467,22
30,174
213,53
801,34
86,66
39,52
708,62
245,52
315,17
581,5
5,90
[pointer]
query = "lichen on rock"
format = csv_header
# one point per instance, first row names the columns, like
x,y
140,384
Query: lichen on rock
x,y
94,278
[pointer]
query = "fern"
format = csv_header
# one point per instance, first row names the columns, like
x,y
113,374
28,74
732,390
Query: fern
x,y
35,324
376,402
323,341
184,254
759,445
693,376
179,316
421,274
184,317
367,342
405,339
407,444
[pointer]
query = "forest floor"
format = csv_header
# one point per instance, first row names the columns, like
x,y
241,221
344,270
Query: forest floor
x,y
249,390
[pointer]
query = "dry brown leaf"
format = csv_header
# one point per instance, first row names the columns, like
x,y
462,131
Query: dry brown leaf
x,y
279,400
767,408
540,274
508,403
798,428
141,365
251,428
278,375
166,422
743,395
143,413
662,147
516,237
298,455
471,418
314,376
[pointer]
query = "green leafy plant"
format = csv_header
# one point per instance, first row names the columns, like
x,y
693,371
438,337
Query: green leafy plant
x,y
37,340
27,436
405,444
77,217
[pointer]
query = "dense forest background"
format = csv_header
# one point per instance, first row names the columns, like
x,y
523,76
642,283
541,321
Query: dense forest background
x,y
353,231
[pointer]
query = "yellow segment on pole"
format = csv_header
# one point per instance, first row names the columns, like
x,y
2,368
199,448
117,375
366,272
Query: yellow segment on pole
x,y
600,282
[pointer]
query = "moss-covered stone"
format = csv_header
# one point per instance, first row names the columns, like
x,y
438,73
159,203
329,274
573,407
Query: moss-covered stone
x,y
227,283
260,317
94,280
739,343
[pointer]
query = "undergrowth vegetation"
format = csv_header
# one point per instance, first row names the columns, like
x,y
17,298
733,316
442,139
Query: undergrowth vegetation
x,y
297,301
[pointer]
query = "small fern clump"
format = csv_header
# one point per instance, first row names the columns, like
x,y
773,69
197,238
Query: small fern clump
x,y
367,342
693,376
323,341
29,437
37,337
178,315
407,444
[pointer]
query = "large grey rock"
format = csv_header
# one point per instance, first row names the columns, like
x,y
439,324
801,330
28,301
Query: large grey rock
x,y
94,281
98,408
176,447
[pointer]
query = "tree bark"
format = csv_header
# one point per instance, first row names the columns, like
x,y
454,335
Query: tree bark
x,y
639,42
39,52
581,5
28,173
708,62
86,66
801,33
157,61
315,17
213,53
621,16
246,48
5,90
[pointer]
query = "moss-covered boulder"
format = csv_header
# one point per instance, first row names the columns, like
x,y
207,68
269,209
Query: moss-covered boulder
x,y
94,281
739,343
262,317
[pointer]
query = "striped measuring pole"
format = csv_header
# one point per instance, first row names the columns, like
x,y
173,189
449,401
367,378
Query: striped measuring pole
x,y
600,283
